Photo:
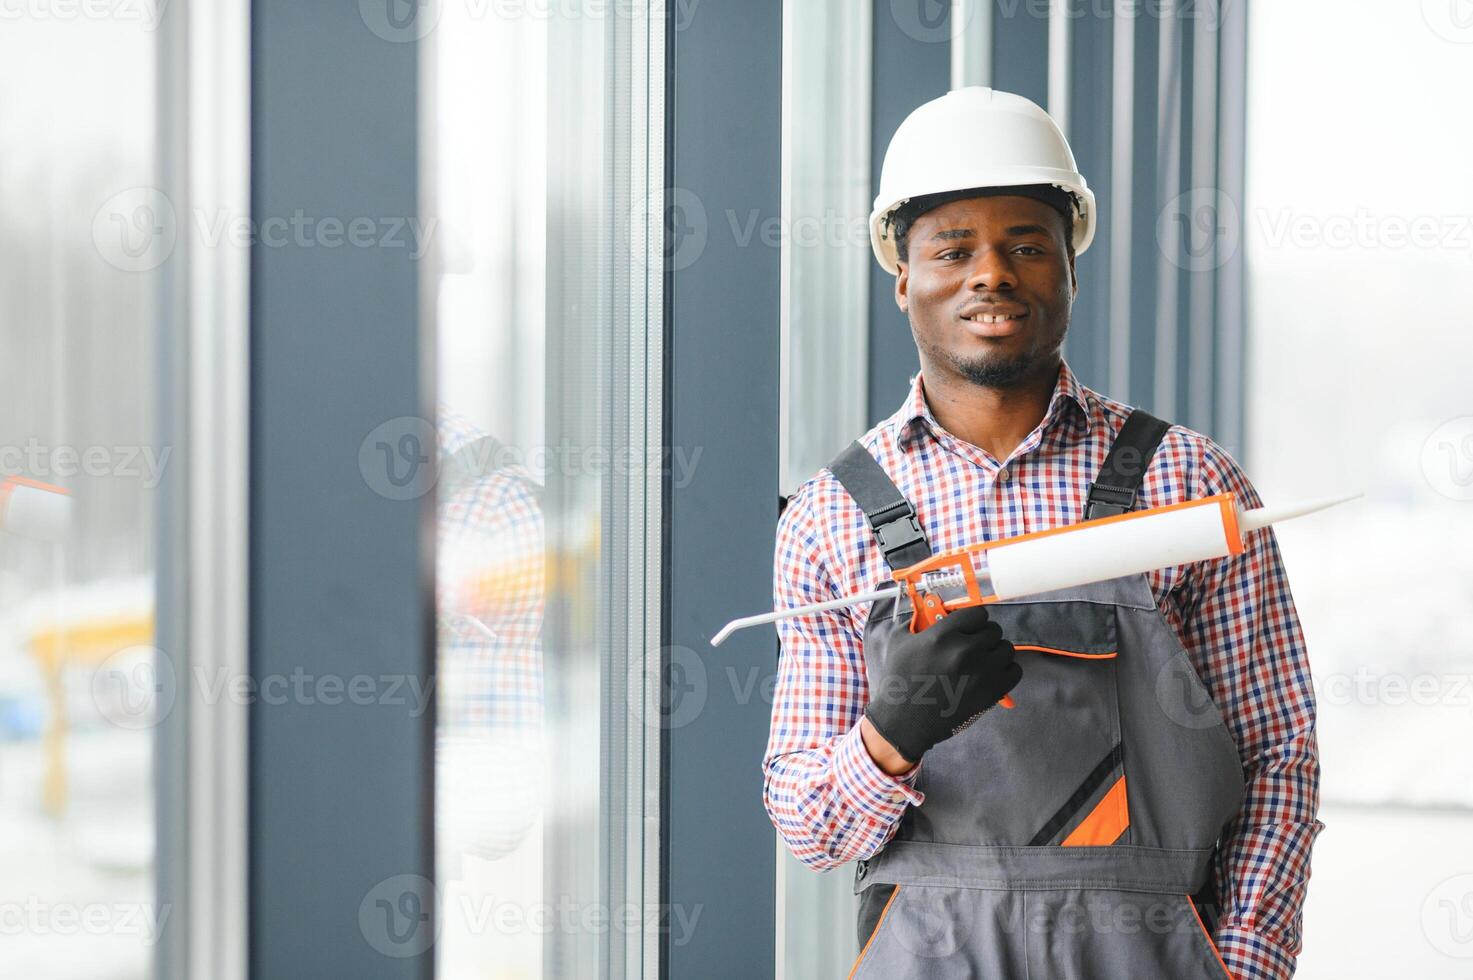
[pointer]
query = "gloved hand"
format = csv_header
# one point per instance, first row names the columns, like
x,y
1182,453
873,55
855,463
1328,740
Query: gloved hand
x,y
936,682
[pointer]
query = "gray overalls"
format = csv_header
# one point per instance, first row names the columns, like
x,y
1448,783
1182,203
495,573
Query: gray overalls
x,y
1064,837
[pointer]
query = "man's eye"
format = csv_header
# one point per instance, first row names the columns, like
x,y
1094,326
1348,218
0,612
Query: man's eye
x,y
954,253
1029,249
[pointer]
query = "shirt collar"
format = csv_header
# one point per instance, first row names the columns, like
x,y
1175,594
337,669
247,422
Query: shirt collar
x,y
915,415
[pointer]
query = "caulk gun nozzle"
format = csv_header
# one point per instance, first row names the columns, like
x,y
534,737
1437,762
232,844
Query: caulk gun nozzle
x,y
1258,517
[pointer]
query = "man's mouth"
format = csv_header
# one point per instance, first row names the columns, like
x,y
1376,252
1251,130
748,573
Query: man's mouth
x,y
990,324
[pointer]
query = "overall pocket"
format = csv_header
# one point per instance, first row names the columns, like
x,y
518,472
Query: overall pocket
x,y
1100,934
1207,939
1050,771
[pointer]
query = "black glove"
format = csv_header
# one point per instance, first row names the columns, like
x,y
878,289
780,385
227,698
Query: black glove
x,y
936,682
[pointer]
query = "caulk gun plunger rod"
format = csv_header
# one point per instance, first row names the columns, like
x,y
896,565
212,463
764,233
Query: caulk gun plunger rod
x,y
772,617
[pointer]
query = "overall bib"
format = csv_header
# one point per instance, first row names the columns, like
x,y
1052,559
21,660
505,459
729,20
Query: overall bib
x,y
1061,839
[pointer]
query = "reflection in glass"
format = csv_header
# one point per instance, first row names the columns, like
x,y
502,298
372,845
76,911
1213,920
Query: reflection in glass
x,y
540,286
81,690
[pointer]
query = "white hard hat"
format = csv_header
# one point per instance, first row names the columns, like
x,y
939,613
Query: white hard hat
x,y
975,137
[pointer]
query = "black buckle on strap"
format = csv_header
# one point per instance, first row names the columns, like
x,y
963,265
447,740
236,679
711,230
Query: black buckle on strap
x,y
899,533
1108,501
1114,496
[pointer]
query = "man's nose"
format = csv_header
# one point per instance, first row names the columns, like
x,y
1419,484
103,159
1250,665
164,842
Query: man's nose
x,y
991,270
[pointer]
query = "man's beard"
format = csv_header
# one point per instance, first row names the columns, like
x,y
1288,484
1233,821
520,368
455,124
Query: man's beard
x,y
1007,371
1004,371
995,372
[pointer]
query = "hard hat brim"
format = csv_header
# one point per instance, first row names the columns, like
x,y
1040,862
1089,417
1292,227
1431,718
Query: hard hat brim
x,y
882,240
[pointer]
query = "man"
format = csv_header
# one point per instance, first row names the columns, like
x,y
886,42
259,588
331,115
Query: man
x,y
1115,823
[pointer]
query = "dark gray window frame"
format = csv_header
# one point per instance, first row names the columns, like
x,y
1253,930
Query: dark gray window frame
x,y
341,579
723,150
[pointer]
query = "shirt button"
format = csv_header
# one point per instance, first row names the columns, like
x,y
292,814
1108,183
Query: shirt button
x,y
1004,475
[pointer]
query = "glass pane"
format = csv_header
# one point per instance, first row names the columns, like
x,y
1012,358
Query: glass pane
x,y
1359,358
84,236
825,325
826,251
548,387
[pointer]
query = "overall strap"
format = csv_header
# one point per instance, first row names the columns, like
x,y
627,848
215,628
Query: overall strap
x,y
890,515
1119,479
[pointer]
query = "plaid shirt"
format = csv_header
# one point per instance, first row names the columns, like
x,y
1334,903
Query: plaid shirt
x,y
1235,617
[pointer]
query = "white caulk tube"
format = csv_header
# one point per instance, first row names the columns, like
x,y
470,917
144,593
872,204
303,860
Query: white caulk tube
x,y
34,509
1131,544
1093,551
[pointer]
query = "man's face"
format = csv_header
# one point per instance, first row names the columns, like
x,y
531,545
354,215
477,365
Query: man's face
x,y
988,284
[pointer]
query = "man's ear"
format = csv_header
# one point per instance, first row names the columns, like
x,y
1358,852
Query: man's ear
x,y
902,283
1073,279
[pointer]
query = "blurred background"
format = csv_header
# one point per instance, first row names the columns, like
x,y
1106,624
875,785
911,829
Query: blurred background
x,y
628,283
